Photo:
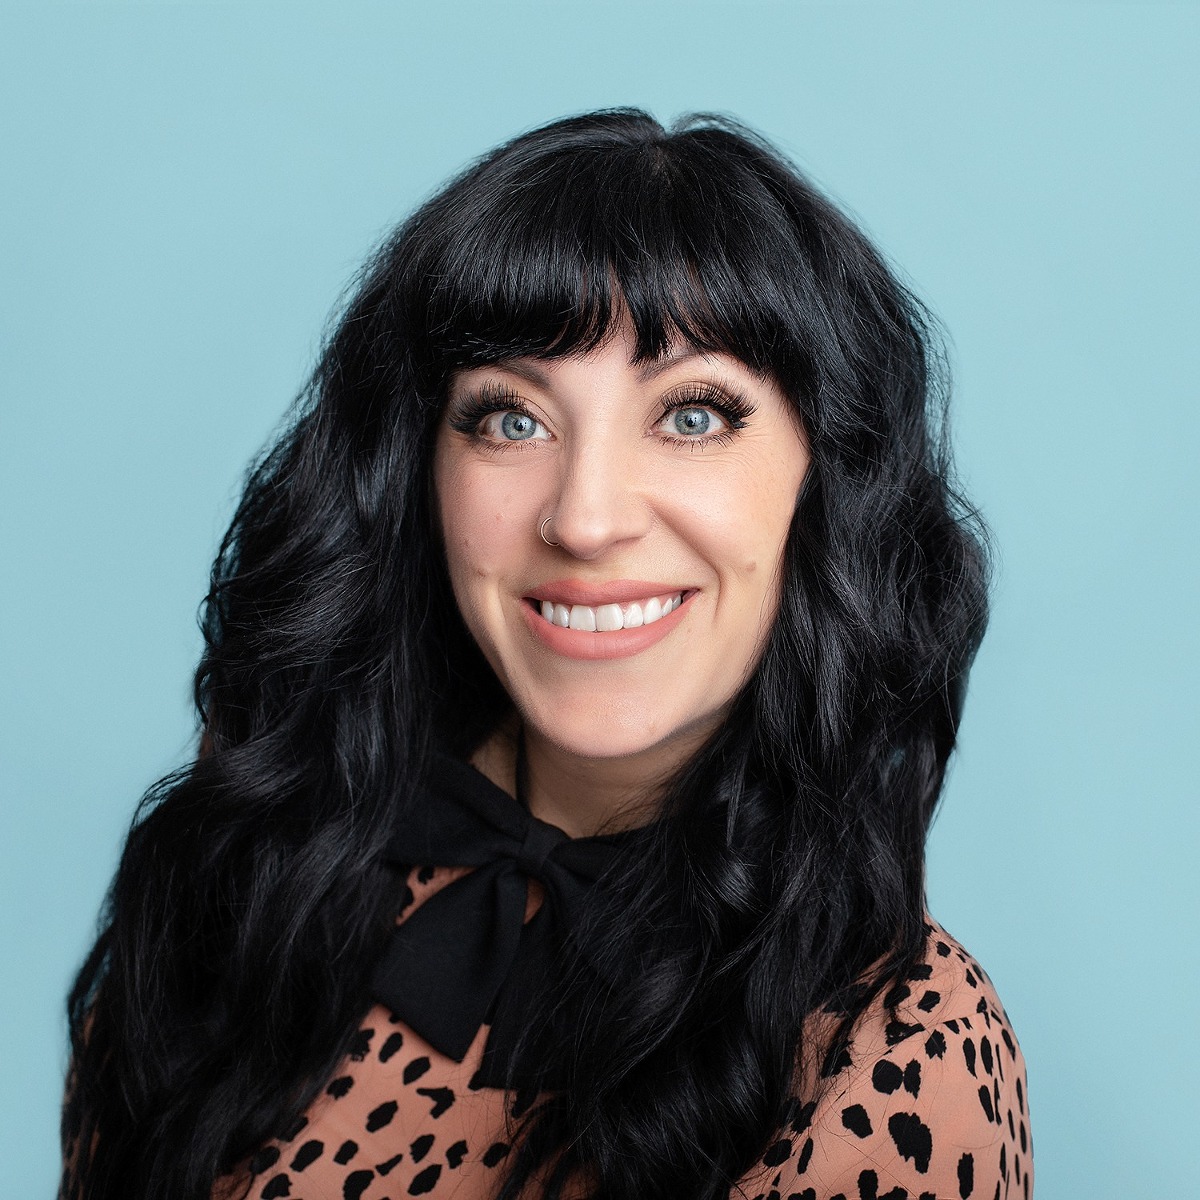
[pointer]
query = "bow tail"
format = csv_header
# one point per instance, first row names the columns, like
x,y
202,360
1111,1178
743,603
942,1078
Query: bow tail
x,y
446,962
521,1017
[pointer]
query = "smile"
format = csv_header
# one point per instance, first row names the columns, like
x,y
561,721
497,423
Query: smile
x,y
605,631
608,618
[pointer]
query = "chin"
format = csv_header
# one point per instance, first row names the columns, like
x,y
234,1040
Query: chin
x,y
592,732
586,743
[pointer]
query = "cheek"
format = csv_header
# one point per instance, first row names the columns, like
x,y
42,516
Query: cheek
x,y
747,525
481,522
746,535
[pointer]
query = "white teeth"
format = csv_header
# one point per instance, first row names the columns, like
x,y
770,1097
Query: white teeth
x,y
606,618
583,618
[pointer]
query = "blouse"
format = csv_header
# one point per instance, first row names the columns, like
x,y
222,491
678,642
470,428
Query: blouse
x,y
930,1102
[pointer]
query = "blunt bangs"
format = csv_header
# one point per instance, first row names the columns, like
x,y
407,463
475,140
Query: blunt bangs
x,y
540,253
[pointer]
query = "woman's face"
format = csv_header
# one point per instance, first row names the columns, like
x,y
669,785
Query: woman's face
x,y
670,487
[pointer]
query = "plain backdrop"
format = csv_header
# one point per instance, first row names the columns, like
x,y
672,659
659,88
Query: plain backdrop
x,y
187,190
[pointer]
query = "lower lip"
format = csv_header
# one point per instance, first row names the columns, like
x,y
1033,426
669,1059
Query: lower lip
x,y
617,643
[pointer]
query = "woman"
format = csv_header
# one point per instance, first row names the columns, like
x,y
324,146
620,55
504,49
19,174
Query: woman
x,y
582,667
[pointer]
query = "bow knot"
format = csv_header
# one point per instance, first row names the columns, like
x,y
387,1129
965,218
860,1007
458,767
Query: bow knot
x,y
540,841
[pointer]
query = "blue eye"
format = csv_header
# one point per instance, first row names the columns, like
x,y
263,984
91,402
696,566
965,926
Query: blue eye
x,y
516,426
691,420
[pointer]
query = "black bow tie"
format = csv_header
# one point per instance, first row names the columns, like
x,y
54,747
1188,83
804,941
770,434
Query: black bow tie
x,y
466,956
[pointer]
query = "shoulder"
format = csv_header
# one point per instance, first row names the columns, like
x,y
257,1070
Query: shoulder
x,y
929,1097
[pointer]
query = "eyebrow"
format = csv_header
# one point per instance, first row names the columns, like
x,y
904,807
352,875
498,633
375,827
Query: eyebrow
x,y
657,366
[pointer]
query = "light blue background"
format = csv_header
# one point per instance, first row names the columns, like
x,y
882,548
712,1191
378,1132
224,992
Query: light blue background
x,y
187,189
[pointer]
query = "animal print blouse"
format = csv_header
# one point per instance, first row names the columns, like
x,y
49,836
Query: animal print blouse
x,y
932,1104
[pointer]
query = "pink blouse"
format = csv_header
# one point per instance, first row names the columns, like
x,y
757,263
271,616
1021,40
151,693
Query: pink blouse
x,y
932,1104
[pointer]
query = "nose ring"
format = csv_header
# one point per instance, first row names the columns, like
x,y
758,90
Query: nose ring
x,y
542,531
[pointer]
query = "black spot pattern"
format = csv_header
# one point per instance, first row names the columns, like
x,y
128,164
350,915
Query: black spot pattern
x,y
912,1137
427,1128
360,1047
378,1117
969,1054
897,1031
308,1154
856,1120
415,1069
442,1098
912,1078
966,1176
806,1153
778,1153
886,1076
356,1183
800,1115
868,1189
837,1060
494,1154
264,1159
425,1181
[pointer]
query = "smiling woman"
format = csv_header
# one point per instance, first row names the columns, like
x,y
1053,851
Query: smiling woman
x,y
669,494
582,666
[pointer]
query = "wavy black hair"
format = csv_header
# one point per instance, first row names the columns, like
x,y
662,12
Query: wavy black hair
x,y
251,900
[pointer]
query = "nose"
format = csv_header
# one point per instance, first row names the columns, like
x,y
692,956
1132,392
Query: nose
x,y
600,501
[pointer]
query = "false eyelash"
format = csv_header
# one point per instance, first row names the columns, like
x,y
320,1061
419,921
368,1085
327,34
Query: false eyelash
x,y
490,398
733,407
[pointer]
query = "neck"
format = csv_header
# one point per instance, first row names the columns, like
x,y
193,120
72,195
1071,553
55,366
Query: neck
x,y
582,796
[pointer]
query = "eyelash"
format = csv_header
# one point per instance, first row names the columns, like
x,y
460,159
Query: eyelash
x,y
733,409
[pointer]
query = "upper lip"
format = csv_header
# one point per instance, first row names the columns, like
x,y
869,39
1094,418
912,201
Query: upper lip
x,y
616,591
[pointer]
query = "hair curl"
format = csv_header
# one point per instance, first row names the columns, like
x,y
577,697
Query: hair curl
x,y
250,901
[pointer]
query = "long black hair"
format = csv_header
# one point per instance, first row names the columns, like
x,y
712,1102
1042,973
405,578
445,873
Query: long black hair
x,y
250,903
